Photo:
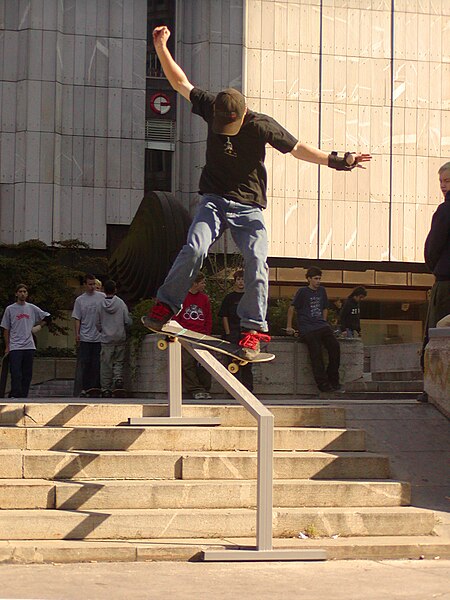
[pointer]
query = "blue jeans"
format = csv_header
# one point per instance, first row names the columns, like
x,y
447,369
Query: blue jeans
x,y
248,230
21,367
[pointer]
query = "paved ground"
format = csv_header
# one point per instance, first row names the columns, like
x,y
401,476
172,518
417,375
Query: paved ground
x,y
347,580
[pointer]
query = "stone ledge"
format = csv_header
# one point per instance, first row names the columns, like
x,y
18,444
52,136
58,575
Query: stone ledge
x,y
437,369
290,374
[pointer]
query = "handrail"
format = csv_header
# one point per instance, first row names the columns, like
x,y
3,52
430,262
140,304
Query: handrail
x,y
265,422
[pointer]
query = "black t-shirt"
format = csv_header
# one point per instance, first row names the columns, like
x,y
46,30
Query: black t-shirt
x,y
310,305
235,164
228,309
349,317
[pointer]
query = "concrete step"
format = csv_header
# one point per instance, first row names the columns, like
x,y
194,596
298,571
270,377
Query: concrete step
x,y
374,396
177,438
98,414
287,465
406,375
139,464
385,386
337,548
210,523
52,388
135,494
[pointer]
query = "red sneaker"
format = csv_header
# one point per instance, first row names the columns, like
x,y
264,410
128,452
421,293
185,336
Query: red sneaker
x,y
159,315
251,343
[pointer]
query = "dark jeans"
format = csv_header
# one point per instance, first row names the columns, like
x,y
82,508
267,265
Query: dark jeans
x,y
316,340
21,367
89,357
195,377
245,375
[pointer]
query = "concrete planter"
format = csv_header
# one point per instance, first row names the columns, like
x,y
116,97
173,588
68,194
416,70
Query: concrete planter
x,y
45,369
395,357
289,374
437,369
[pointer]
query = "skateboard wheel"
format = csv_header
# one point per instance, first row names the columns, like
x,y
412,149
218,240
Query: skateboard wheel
x,y
243,363
162,344
233,367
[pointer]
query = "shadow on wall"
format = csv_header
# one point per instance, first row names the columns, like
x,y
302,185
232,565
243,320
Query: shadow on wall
x,y
156,235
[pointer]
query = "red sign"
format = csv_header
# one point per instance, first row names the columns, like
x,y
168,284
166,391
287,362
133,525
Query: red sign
x,y
160,103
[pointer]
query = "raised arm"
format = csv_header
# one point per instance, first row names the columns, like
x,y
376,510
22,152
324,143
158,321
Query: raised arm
x,y
174,73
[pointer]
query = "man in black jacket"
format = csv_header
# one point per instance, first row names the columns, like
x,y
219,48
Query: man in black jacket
x,y
437,257
349,317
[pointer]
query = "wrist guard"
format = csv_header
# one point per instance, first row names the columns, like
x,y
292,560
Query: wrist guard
x,y
340,162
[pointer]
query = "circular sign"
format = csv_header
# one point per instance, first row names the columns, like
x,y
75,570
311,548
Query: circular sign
x,y
160,103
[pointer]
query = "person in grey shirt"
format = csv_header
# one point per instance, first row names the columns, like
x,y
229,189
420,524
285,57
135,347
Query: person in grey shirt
x,y
86,334
112,320
20,320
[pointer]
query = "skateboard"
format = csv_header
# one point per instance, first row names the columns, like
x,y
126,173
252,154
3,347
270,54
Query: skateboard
x,y
172,330
4,375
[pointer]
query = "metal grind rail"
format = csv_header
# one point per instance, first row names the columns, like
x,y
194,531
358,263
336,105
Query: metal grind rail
x,y
265,421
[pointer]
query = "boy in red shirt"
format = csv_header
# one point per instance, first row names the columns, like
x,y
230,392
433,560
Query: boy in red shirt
x,y
196,316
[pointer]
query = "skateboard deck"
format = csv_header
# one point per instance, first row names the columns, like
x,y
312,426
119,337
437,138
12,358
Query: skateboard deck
x,y
4,375
172,329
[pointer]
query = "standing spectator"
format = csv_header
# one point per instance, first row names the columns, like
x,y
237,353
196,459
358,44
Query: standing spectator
x,y
232,324
20,320
437,257
86,334
349,317
112,320
98,285
311,304
196,316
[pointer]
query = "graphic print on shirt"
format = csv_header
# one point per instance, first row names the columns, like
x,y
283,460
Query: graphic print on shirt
x,y
229,149
194,313
315,306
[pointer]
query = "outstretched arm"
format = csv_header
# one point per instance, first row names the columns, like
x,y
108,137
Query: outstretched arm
x,y
174,73
319,157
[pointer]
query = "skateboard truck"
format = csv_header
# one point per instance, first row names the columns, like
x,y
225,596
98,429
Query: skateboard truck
x,y
233,367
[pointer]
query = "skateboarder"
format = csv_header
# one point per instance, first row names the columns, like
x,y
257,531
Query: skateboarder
x,y
233,189
231,324
18,322
113,319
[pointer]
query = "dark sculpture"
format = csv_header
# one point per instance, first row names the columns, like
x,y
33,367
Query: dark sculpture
x,y
156,235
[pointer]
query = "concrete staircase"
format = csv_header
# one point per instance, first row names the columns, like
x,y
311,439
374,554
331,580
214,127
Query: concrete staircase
x,y
78,484
391,385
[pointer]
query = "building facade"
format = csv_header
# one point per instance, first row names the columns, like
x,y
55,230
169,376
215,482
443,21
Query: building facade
x,y
72,76
88,123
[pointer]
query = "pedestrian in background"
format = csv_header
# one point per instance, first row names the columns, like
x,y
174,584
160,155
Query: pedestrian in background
x,y
86,334
18,322
113,319
349,317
